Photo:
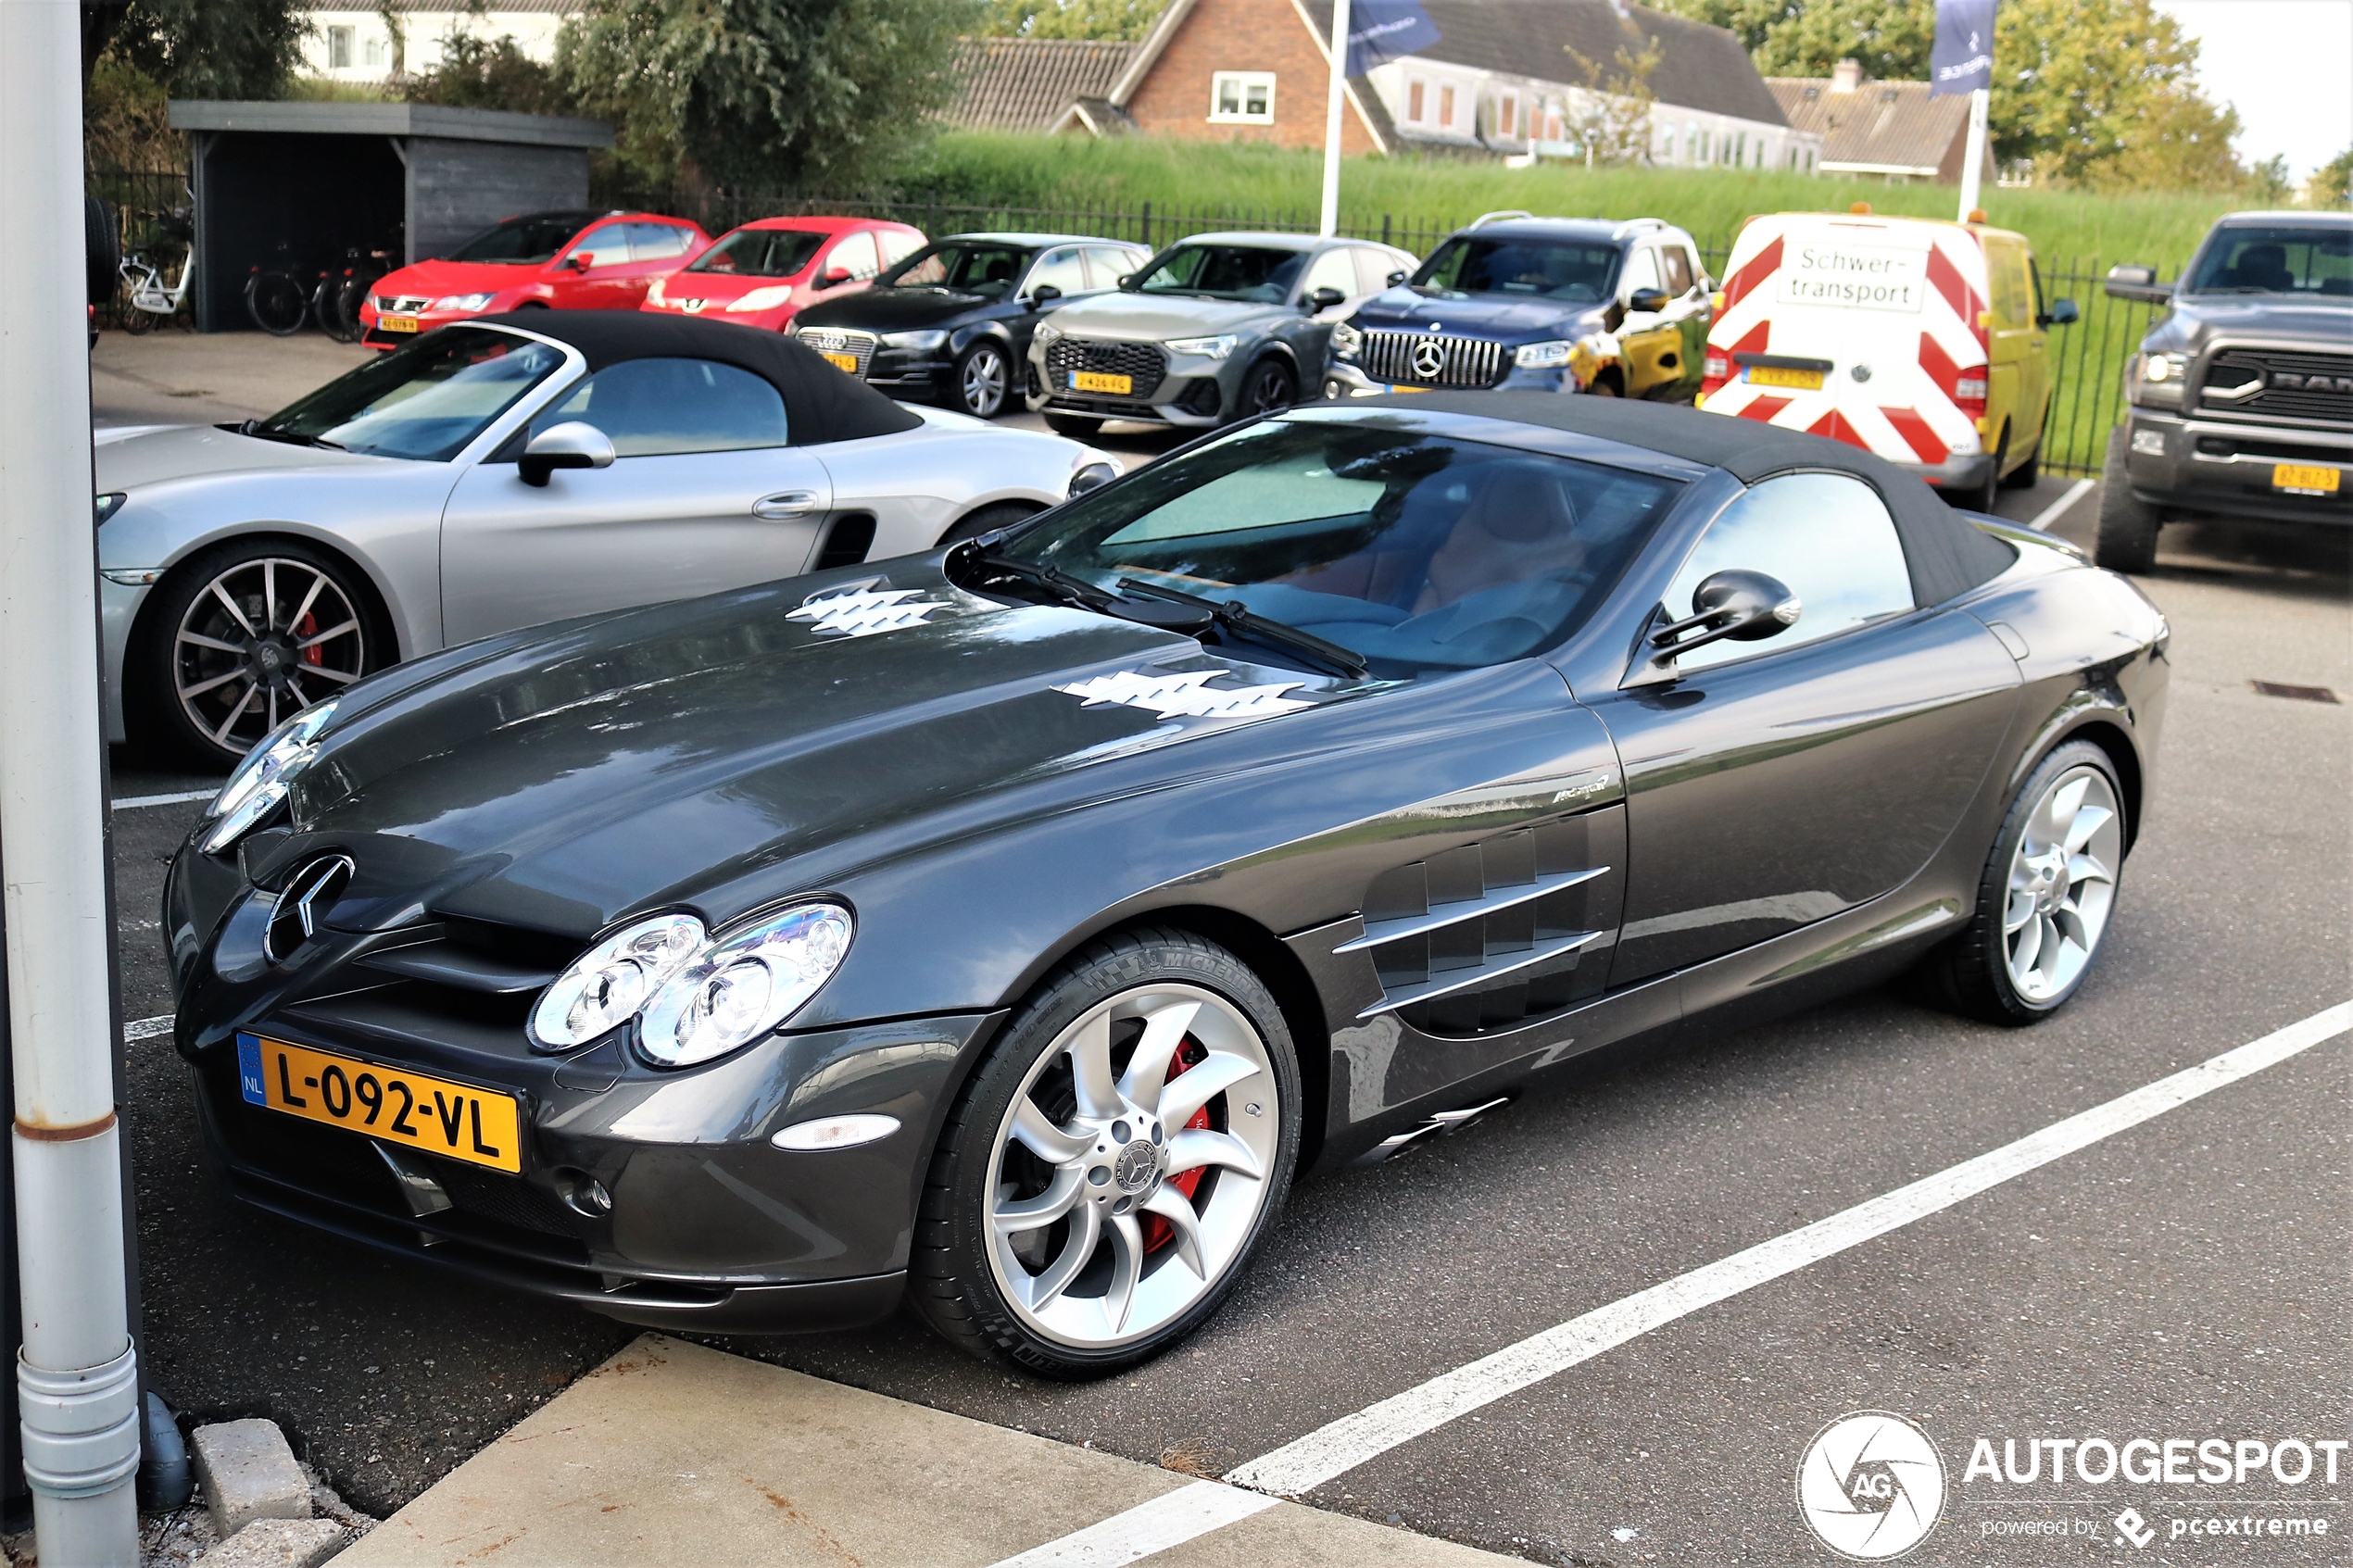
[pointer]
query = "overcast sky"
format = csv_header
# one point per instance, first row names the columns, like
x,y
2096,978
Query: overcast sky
x,y
2285,65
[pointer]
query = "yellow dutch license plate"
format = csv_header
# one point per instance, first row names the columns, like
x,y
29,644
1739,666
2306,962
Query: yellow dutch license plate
x,y
1774,375
414,1109
1409,389
399,324
2306,479
1103,381
841,361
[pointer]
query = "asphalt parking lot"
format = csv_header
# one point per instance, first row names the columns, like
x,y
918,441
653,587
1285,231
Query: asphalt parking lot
x,y
2184,1278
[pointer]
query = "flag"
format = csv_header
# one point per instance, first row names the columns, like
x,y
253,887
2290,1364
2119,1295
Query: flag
x,y
1963,59
1379,30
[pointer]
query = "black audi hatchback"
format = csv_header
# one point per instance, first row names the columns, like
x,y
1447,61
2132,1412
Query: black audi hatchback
x,y
1005,929
952,323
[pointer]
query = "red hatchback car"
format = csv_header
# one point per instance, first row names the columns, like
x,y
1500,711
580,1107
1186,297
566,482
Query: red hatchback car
x,y
762,273
564,261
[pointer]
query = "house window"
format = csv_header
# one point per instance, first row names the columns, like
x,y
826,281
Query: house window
x,y
1507,115
1242,97
1553,127
1446,108
339,48
1414,91
1739,148
372,53
1699,144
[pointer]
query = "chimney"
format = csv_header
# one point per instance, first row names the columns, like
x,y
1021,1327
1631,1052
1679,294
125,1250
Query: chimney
x,y
1846,76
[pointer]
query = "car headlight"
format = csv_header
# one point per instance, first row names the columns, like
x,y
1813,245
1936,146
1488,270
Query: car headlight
x,y
1543,356
464,301
1346,341
2158,379
1204,347
761,299
1047,333
261,780
740,987
110,503
610,982
1092,476
913,340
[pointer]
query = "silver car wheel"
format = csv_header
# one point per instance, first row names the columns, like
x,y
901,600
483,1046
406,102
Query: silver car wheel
x,y
262,641
1131,1167
2062,883
983,381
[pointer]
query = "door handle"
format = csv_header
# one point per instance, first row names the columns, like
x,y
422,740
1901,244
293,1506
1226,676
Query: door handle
x,y
786,503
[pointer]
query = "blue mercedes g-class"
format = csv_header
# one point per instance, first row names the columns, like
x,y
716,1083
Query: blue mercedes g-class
x,y
1551,303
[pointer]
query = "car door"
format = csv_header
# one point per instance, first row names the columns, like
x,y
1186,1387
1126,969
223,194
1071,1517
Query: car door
x,y
704,494
1107,264
852,253
591,276
656,250
1688,309
2013,389
1779,782
1648,341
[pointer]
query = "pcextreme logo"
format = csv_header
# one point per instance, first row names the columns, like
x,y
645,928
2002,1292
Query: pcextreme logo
x,y
1871,1486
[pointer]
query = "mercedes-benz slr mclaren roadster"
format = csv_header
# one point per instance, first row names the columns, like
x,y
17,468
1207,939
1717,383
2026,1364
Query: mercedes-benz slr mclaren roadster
x,y
1006,928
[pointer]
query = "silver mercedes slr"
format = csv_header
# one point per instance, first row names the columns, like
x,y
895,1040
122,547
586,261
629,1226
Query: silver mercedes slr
x,y
502,474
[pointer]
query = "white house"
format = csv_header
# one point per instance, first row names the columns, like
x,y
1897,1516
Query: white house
x,y
351,41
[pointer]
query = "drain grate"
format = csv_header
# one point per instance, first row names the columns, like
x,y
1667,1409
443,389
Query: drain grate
x,y
2299,694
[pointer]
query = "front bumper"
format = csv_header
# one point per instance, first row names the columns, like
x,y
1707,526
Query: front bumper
x,y
1193,393
373,336
2222,468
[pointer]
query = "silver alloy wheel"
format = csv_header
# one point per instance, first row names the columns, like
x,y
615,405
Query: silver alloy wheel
x,y
262,641
1094,1236
983,381
2062,883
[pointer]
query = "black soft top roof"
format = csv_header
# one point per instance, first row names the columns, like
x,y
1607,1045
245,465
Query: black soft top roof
x,y
821,403
1947,553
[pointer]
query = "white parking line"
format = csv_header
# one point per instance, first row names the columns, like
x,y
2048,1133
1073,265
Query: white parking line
x,y
148,1028
181,798
2051,514
1170,1520
1332,1451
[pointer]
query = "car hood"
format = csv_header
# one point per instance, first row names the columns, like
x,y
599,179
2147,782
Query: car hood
x,y
439,276
720,285
1137,318
190,451
1403,309
891,311
2203,318
725,751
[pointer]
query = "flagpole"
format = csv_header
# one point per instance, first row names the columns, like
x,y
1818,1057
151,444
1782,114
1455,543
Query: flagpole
x,y
1973,168
1330,225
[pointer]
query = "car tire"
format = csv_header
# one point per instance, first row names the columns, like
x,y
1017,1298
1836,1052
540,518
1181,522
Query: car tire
x,y
2049,885
200,679
2126,540
1089,1293
2024,476
983,380
980,519
1268,388
1078,427
1604,386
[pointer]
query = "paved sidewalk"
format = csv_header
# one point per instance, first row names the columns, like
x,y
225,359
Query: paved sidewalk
x,y
672,1453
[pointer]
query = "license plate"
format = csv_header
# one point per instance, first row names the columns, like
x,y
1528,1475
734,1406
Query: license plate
x,y
1409,389
399,324
414,1109
840,361
1101,381
2305,479
1774,375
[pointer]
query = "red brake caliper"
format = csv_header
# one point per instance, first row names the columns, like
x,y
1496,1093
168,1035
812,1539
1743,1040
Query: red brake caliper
x,y
1158,1233
310,628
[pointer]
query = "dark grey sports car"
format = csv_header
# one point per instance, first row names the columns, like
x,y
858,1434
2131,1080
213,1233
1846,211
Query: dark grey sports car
x,y
1007,927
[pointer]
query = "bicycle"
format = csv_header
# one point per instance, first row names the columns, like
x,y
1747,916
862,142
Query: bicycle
x,y
141,295
277,300
341,295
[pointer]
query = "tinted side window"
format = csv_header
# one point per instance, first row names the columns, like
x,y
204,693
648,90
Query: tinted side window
x,y
856,254
657,241
1333,269
1828,538
1107,266
609,245
1679,270
1373,269
1062,268
1641,272
655,408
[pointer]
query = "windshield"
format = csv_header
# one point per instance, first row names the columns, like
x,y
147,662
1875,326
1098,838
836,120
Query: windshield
x,y
2276,259
523,240
759,253
425,399
1423,553
1260,276
965,266
1582,274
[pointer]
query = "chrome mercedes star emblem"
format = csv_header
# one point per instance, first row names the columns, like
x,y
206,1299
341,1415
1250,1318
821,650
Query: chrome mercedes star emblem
x,y
1429,359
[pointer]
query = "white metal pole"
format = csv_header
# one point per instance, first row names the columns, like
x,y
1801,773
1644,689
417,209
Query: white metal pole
x,y
1973,165
1333,111
77,1374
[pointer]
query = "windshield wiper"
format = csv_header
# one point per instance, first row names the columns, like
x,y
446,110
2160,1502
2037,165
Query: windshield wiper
x,y
1054,580
260,431
1238,619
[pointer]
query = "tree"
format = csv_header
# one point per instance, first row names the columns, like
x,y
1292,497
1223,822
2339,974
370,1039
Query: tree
x,y
1123,19
2331,184
1611,119
764,93
480,73
200,48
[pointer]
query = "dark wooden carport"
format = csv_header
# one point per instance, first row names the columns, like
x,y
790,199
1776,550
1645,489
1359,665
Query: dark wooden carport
x,y
301,183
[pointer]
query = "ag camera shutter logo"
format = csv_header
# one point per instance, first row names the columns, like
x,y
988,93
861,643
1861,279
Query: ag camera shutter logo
x,y
1871,1486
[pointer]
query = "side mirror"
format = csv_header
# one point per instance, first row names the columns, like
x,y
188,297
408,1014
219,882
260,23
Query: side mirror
x,y
1741,606
1396,278
2137,283
1127,280
2062,313
1324,299
580,260
835,277
1044,294
572,445
1646,302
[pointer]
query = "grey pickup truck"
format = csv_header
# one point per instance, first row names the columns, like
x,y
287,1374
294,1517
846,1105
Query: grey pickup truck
x,y
2242,393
